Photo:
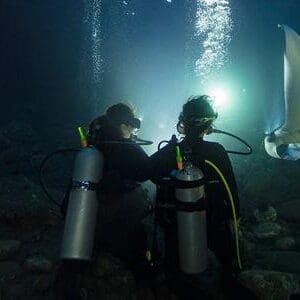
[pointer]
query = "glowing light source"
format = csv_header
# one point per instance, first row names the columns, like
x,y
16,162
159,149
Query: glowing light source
x,y
220,97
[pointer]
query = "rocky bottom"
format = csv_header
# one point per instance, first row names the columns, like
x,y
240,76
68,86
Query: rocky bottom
x,y
29,263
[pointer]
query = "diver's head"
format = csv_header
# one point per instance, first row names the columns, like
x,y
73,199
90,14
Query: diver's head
x,y
117,123
197,117
122,116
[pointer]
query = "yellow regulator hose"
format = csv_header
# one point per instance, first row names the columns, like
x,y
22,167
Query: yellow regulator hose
x,y
235,221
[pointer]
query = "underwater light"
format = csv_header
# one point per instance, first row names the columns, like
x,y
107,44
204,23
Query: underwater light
x,y
220,97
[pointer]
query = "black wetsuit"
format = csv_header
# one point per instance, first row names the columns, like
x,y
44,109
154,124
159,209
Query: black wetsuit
x,y
123,202
219,212
125,163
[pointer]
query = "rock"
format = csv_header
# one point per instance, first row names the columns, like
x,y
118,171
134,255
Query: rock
x,y
108,279
270,285
107,265
267,230
14,291
286,243
38,264
24,204
9,270
283,261
248,235
29,287
42,283
8,248
247,250
267,216
290,210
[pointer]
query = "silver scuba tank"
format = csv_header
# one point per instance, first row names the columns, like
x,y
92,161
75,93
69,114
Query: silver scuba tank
x,y
81,218
192,236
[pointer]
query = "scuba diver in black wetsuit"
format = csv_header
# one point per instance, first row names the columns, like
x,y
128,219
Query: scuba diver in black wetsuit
x,y
124,202
220,196
105,215
118,125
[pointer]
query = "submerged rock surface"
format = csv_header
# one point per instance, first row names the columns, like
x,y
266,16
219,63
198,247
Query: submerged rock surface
x,y
271,285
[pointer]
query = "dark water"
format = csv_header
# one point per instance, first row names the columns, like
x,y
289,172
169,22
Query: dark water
x,y
63,62
70,59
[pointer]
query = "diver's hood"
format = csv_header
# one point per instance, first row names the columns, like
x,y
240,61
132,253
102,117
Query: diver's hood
x,y
285,142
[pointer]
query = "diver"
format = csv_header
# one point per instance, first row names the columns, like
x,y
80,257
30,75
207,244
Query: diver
x,y
196,121
122,202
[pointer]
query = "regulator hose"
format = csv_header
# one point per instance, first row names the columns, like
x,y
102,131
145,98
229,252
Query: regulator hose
x,y
41,171
237,138
221,132
135,141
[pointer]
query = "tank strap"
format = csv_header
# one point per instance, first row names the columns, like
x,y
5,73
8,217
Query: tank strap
x,y
181,184
84,185
199,205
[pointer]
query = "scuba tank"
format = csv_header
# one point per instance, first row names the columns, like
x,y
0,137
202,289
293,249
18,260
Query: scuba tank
x,y
81,218
191,219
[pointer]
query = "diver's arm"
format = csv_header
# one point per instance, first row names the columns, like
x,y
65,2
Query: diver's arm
x,y
161,163
136,166
141,167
